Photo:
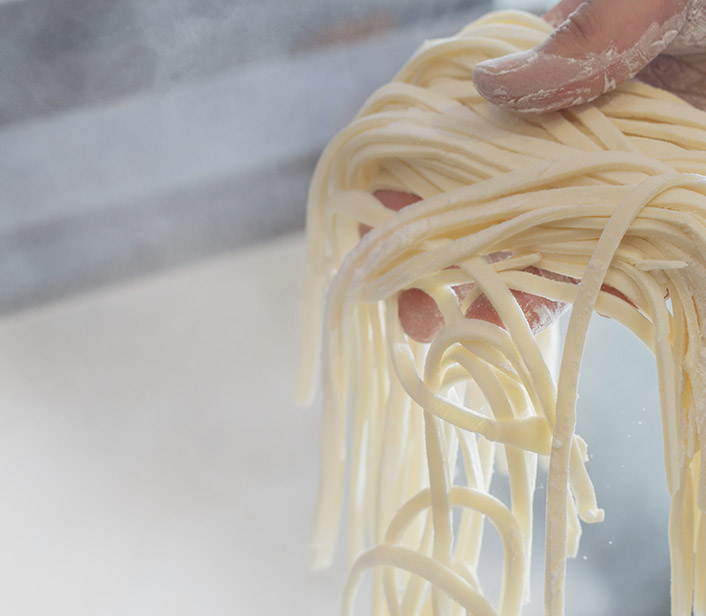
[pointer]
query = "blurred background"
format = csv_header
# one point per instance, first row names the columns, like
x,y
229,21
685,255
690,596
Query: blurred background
x,y
154,162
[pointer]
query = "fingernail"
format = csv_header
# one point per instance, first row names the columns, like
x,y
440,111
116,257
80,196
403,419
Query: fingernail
x,y
502,80
506,64
534,81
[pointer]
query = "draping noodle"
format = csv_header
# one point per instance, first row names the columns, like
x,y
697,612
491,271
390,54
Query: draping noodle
x,y
606,193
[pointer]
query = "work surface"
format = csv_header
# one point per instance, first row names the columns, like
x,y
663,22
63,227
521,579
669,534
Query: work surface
x,y
152,463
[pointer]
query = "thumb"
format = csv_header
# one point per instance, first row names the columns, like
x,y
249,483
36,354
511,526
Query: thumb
x,y
600,44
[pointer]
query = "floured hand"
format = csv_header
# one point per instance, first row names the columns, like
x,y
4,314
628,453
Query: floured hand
x,y
420,316
597,45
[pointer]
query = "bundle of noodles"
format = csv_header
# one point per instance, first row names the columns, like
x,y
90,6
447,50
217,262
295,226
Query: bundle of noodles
x,y
607,194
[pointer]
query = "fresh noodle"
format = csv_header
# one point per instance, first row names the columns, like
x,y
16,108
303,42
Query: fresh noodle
x,y
607,197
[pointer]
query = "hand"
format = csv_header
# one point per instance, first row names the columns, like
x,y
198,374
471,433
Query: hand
x,y
597,45
420,316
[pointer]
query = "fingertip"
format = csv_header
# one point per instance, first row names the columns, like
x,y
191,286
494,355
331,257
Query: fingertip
x,y
500,80
532,82
392,200
395,199
504,81
419,315
597,45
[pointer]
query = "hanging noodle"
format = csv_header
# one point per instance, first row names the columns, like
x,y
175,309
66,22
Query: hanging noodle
x,y
606,193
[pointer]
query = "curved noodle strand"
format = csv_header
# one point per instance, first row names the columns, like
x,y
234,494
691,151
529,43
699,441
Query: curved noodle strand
x,y
600,206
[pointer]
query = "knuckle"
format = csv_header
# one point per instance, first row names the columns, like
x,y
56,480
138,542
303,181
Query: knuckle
x,y
583,28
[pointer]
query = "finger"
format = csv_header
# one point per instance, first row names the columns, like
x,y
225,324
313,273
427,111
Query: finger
x,y
422,319
684,76
396,200
540,312
420,316
692,36
601,44
561,11
392,199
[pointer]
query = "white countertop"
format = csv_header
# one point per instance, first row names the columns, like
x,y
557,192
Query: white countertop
x,y
152,462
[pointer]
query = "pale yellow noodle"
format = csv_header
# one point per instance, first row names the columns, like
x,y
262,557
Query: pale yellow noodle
x,y
607,193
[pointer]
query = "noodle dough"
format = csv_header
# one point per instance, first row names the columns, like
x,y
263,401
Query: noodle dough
x,y
606,193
